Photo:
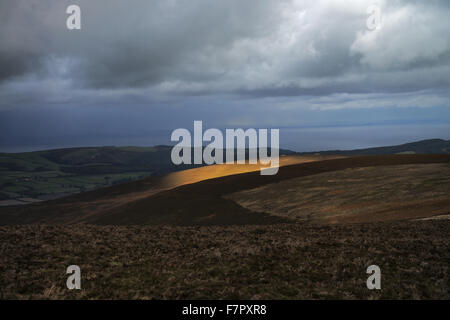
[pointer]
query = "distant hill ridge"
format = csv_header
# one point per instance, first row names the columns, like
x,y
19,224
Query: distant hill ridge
x,y
430,146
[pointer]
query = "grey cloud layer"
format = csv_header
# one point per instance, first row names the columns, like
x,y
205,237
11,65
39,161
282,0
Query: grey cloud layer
x,y
260,48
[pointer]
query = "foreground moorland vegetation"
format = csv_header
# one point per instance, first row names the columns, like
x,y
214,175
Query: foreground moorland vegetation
x,y
281,261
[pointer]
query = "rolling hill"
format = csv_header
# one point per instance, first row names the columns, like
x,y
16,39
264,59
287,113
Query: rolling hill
x,y
49,174
199,198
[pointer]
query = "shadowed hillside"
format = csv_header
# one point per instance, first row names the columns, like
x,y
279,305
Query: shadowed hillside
x,y
50,174
367,194
154,201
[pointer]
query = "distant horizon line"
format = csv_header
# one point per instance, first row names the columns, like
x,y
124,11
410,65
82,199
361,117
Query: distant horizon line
x,y
42,148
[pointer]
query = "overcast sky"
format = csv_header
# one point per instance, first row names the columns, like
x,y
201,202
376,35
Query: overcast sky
x,y
139,69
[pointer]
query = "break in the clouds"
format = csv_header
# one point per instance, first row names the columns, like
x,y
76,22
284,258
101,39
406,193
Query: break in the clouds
x,y
197,55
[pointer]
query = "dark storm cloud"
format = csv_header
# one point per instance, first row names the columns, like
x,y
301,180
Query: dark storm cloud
x,y
201,46
126,43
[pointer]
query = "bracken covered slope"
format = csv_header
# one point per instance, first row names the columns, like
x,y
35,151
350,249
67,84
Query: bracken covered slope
x,y
202,203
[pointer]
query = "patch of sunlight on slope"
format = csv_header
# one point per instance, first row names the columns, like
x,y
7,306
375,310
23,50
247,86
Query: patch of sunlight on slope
x,y
172,180
189,176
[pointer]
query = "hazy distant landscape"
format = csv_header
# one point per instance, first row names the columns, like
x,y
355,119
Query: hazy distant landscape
x,y
43,175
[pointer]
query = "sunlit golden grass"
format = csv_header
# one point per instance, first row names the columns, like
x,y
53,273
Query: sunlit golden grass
x,y
180,178
190,176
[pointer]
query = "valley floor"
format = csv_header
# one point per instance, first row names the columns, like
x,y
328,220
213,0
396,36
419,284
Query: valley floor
x,y
279,261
